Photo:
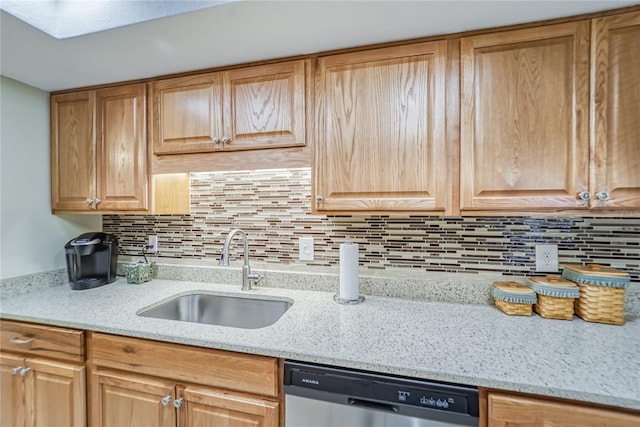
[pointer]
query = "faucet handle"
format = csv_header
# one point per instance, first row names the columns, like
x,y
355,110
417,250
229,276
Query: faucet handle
x,y
255,278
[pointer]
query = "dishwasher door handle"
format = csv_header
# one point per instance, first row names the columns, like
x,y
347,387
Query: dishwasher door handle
x,y
373,405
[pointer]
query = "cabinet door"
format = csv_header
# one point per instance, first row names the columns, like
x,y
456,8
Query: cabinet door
x,y
524,137
187,114
73,151
616,167
122,399
57,393
122,180
380,130
265,106
507,410
211,407
13,411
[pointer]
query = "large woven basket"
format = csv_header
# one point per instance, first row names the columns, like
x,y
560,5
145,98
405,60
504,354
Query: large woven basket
x,y
602,292
513,298
556,296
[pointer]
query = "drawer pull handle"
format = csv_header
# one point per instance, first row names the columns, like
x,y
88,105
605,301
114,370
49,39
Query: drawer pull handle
x,y
15,371
21,342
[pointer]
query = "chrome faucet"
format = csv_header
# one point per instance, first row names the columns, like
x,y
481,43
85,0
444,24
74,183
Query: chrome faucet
x,y
247,277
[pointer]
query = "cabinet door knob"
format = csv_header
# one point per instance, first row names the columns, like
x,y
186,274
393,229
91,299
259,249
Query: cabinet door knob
x,y
602,195
24,371
89,201
319,198
216,140
177,403
21,341
15,371
166,400
97,201
226,140
584,195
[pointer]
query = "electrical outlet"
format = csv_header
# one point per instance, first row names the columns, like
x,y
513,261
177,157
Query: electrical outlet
x,y
153,244
547,258
305,248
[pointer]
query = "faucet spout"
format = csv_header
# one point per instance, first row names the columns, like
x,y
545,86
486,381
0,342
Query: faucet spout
x,y
247,276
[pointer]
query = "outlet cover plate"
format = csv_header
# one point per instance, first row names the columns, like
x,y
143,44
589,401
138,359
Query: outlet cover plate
x,y
547,258
305,247
153,244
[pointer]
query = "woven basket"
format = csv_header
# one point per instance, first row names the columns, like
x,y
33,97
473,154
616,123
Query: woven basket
x,y
512,298
602,292
513,308
602,304
554,307
556,296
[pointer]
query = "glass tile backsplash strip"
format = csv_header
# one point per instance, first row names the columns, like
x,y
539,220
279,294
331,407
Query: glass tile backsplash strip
x,y
273,207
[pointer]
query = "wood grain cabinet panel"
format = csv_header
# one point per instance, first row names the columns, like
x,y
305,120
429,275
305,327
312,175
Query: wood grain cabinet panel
x,y
266,107
13,411
616,112
41,392
164,384
380,130
73,150
125,399
37,390
211,407
524,128
187,114
41,340
99,150
122,170
514,410
242,109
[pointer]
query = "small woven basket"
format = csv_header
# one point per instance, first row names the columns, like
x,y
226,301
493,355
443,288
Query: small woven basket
x,y
556,296
513,298
602,292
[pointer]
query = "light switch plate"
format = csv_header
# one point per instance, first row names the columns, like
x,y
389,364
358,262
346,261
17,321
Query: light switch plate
x,y
305,247
547,258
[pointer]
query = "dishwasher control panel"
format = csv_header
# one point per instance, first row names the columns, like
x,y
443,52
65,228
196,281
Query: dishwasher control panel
x,y
379,391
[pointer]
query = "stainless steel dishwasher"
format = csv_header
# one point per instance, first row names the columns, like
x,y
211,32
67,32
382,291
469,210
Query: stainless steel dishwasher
x,y
324,396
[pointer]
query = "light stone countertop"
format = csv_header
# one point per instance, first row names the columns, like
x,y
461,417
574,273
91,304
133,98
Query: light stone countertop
x,y
459,343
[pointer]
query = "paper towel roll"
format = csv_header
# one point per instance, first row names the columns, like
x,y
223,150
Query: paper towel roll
x,y
349,286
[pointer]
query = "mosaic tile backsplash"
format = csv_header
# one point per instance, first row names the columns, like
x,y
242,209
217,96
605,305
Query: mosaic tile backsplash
x,y
273,207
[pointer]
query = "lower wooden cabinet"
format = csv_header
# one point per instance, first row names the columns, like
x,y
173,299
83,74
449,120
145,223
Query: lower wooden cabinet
x,y
137,382
125,399
41,392
42,376
517,410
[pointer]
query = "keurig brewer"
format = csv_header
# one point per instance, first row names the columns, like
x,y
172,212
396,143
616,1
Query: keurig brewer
x,y
92,260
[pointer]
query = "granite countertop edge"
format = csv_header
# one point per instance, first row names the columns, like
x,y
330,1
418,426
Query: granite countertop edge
x,y
458,343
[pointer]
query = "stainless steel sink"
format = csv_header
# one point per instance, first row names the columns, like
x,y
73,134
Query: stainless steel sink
x,y
237,312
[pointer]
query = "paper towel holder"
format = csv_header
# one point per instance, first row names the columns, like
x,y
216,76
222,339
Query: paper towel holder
x,y
339,300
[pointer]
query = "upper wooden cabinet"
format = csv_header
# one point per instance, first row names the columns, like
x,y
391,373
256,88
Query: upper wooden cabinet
x,y
380,130
241,109
99,150
616,112
524,131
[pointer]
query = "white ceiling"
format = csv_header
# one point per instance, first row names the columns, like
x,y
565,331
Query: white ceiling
x,y
246,31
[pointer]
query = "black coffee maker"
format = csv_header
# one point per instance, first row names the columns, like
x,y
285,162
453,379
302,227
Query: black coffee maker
x,y
92,260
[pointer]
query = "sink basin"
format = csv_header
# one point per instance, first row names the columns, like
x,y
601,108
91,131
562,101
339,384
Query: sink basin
x,y
237,312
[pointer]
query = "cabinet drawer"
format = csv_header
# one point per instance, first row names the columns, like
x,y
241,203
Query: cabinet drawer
x,y
511,409
42,340
216,368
